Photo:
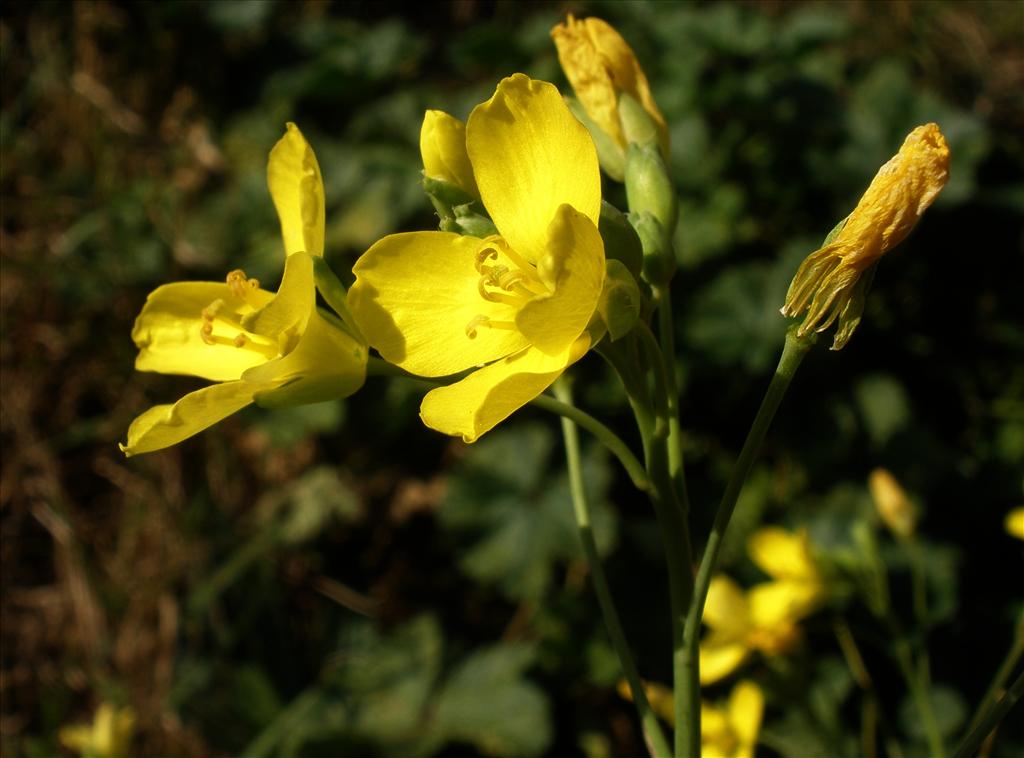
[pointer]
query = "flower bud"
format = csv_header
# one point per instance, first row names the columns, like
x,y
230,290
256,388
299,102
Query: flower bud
x,y
620,301
601,67
620,239
892,504
659,262
828,284
648,186
610,154
443,149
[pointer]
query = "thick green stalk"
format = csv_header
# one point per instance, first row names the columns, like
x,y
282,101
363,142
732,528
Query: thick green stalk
x,y
969,747
652,422
615,445
666,337
653,733
792,354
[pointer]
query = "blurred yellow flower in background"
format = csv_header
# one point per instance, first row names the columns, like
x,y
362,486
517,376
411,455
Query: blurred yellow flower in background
x,y
826,284
764,618
731,731
1015,523
271,349
516,306
892,504
109,735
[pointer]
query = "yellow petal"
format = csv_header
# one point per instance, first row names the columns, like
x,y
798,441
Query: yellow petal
x,y
298,191
414,296
168,332
328,363
1015,523
165,425
530,156
488,396
746,707
720,655
782,554
573,267
726,608
443,149
600,64
714,723
286,314
781,603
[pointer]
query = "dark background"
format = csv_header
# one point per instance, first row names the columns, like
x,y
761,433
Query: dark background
x,y
338,579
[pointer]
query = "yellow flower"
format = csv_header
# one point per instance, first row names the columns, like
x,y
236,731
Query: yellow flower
x,y
731,732
892,504
1015,523
514,306
109,735
764,618
274,350
826,283
600,65
443,149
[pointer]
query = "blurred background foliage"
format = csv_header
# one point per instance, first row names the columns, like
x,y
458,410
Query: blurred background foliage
x,y
337,579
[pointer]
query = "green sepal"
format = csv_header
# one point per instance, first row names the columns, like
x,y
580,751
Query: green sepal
x,y
659,260
637,125
445,196
609,154
621,242
620,302
649,188
467,220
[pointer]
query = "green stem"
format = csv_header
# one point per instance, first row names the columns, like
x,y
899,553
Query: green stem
x,y
654,430
653,733
666,337
1010,662
922,698
792,354
614,443
968,748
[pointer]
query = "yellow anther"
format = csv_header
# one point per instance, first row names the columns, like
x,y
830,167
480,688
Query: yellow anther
x,y
482,255
240,340
241,286
206,332
482,321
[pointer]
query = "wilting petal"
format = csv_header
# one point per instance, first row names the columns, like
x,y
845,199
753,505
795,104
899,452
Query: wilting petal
x,y
726,608
486,397
298,191
443,149
530,156
165,425
414,296
573,268
720,655
746,707
327,363
782,554
168,332
286,314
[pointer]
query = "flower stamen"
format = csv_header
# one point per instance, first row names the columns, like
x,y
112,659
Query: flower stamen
x,y
241,286
483,321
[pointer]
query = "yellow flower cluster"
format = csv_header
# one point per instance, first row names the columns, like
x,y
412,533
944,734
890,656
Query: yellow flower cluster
x,y
764,618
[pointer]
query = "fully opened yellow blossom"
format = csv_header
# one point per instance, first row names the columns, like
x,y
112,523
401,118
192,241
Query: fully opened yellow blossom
x,y
600,65
274,350
765,618
109,735
826,283
725,732
514,306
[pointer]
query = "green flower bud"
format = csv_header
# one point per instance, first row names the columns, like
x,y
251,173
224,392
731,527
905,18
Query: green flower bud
x,y
620,301
659,261
466,220
610,154
648,186
637,125
445,196
621,242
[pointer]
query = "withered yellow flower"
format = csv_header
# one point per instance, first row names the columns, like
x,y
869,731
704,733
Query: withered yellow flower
x,y
600,65
892,503
826,284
